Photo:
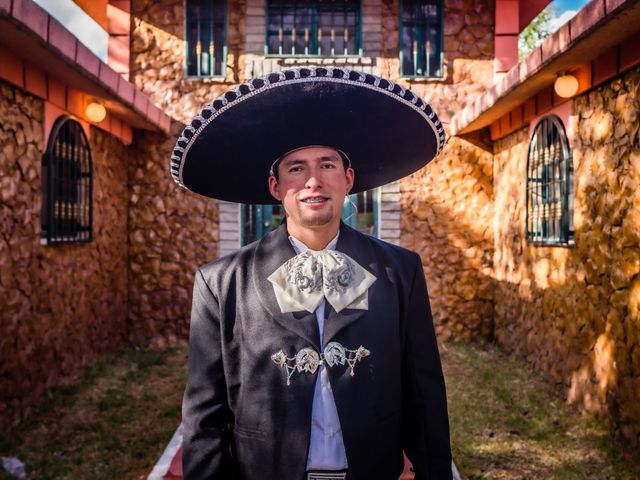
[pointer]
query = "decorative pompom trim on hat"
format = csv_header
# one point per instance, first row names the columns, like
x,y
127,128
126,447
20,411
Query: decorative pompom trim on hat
x,y
297,75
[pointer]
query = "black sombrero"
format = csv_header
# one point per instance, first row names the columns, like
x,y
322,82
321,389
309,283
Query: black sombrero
x,y
386,131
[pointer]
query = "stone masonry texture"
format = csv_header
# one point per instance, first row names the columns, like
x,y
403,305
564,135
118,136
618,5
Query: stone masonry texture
x,y
171,232
60,306
574,312
158,57
158,53
447,207
447,212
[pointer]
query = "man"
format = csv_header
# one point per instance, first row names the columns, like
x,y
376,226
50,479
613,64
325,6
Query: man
x,y
312,351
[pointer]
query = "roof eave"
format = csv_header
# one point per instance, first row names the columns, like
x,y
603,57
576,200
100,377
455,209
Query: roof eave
x,y
600,25
32,34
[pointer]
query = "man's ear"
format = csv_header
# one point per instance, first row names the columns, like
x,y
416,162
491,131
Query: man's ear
x,y
273,188
351,176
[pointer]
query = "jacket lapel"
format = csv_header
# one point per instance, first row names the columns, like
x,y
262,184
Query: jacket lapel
x,y
349,243
272,251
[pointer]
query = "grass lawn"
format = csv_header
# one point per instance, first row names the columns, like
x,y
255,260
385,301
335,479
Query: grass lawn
x,y
506,423
112,423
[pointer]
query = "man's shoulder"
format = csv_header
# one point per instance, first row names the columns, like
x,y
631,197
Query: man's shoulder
x,y
228,264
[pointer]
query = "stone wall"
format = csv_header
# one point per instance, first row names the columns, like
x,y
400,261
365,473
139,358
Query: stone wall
x,y
468,54
575,312
60,306
171,232
158,52
447,214
158,57
447,206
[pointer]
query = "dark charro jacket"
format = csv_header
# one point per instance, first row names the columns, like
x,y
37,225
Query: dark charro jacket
x,y
240,418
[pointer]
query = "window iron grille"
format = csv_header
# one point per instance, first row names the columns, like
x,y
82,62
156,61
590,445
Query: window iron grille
x,y
67,213
421,38
327,28
550,193
206,23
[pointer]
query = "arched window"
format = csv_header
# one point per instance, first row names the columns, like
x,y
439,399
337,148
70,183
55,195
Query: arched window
x,y
549,185
67,185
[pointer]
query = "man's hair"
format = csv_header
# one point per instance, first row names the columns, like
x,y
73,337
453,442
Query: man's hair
x,y
346,162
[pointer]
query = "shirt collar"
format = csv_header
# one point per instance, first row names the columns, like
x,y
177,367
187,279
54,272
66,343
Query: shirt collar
x,y
300,247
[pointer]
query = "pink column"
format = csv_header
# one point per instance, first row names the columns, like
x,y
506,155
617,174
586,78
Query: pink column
x,y
506,40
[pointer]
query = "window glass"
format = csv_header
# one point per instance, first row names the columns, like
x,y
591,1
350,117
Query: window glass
x,y
319,28
258,220
360,211
550,191
67,185
206,37
421,38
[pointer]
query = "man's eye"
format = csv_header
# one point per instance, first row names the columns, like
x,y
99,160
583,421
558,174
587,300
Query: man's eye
x,y
294,169
328,165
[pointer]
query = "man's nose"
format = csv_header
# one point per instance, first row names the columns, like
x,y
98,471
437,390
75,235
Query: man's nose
x,y
313,181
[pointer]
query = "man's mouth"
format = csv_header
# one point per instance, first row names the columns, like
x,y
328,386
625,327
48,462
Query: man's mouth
x,y
314,200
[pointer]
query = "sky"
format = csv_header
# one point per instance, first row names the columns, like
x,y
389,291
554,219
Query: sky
x,y
569,4
563,11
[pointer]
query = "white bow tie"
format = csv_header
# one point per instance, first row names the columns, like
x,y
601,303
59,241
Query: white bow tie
x,y
304,281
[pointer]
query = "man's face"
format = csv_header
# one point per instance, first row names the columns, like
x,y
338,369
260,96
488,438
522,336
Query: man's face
x,y
312,185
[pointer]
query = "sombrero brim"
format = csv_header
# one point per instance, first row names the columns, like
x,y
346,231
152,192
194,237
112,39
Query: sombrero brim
x,y
386,130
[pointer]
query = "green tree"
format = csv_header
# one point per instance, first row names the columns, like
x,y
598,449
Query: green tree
x,y
534,33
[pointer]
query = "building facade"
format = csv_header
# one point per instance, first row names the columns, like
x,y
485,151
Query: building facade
x,y
566,227
527,223
86,256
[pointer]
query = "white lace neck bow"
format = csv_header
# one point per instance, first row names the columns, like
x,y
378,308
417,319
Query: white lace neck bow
x,y
304,281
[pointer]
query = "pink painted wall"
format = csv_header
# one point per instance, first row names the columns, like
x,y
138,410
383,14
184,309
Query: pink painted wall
x,y
512,16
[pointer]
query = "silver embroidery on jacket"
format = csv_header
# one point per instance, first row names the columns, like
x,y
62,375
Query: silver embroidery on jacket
x,y
309,360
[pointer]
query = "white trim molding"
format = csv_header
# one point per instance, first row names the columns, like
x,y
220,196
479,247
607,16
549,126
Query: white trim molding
x,y
389,220
229,226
